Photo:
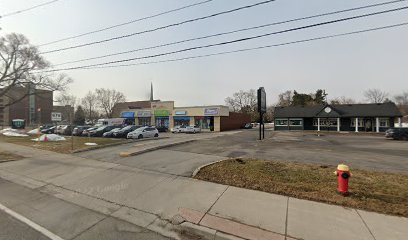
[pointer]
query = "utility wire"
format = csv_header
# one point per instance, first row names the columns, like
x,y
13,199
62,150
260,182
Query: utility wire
x,y
160,28
125,23
253,48
230,32
27,9
233,41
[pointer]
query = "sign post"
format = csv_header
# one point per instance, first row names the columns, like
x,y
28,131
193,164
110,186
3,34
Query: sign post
x,y
261,109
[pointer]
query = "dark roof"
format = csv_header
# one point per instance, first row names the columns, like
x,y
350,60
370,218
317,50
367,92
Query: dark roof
x,y
343,110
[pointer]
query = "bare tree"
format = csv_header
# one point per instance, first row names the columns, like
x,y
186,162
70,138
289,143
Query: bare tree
x,y
65,98
285,99
90,104
108,98
21,65
375,96
402,99
343,100
242,100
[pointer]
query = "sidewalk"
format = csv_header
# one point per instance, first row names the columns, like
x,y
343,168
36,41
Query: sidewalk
x,y
143,196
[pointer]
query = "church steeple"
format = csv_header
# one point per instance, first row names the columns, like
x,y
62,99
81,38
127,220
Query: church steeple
x,y
151,92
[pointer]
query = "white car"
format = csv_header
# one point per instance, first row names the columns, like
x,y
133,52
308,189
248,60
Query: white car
x,y
143,132
178,129
192,129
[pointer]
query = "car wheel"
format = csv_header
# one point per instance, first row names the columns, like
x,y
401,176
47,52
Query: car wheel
x,y
156,135
140,136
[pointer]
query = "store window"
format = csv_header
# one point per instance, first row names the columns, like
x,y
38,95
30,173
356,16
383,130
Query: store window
x,y
162,122
204,122
181,121
360,122
296,122
384,122
145,121
281,122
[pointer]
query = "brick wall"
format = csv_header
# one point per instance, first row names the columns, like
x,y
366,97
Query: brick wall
x,y
234,121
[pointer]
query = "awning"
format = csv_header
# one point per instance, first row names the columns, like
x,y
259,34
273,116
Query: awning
x,y
182,118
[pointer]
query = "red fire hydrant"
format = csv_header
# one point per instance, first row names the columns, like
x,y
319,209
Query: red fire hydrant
x,y
343,174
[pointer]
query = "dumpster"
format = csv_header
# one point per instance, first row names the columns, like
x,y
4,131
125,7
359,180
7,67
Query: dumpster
x,y
18,123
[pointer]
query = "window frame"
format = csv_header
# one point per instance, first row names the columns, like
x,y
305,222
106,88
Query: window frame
x,y
296,119
281,119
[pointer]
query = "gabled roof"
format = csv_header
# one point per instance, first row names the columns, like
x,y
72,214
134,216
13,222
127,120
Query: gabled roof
x,y
340,110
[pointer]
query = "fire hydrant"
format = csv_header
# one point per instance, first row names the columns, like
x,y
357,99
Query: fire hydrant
x,y
343,174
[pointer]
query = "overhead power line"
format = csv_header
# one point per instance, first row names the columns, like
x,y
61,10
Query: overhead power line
x,y
253,48
125,23
160,28
233,41
230,32
27,9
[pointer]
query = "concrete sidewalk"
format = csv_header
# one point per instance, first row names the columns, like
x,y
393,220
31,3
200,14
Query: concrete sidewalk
x,y
141,196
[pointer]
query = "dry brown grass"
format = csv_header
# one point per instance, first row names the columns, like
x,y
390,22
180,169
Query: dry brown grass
x,y
6,156
374,191
62,146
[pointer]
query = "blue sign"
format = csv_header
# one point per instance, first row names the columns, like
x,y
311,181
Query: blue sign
x,y
182,118
127,114
211,111
180,113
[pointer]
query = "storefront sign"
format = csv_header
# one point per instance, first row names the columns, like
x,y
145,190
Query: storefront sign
x,y
180,112
144,114
211,111
161,113
127,114
182,118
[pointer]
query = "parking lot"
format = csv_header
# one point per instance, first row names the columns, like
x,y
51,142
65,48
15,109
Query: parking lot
x,y
363,151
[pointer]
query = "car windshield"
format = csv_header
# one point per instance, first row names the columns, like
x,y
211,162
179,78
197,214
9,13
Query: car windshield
x,y
100,128
127,128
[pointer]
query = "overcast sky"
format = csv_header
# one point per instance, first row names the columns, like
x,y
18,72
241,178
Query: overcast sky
x,y
344,66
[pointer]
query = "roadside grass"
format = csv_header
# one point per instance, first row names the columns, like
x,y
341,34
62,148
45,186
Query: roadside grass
x,y
7,156
374,191
61,146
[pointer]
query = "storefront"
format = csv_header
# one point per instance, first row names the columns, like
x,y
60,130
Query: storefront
x,y
144,118
129,116
181,119
162,118
163,114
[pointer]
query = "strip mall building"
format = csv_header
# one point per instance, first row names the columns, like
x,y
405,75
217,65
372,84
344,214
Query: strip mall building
x,y
163,113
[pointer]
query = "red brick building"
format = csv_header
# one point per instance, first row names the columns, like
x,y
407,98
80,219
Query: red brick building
x,y
34,109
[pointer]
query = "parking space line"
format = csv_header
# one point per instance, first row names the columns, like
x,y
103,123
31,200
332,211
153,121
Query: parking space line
x,y
30,223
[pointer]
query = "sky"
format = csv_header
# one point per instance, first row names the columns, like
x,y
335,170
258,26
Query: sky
x,y
343,66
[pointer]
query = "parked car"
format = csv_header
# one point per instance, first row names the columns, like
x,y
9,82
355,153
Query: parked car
x,y
178,129
87,132
122,133
397,133
63,129
110,133
192,129
389,133
143,132
79,129
162,129
101,130
247,126
48,130
46,126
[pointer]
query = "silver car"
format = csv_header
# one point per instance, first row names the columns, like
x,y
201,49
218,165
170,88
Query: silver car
x,y
143,132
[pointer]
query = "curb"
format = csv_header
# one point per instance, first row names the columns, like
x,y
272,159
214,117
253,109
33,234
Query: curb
x,y
114,144
206,233
197,170
128,154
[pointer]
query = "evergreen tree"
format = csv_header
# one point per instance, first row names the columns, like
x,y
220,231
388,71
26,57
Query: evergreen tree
x,y
79,116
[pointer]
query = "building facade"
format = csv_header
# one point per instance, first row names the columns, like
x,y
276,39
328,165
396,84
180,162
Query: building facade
x,y
165,114
67,113
345,117
34,109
